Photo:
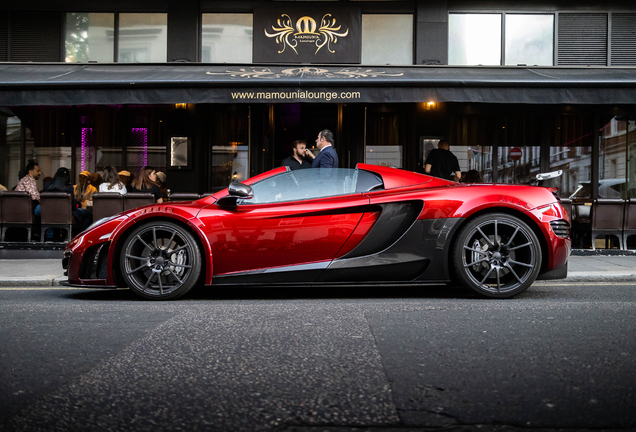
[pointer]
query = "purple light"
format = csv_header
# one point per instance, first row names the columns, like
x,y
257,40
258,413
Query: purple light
x,y
87,135
140,136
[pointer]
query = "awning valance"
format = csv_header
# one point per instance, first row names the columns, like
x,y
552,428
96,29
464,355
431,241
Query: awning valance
x,y
84,84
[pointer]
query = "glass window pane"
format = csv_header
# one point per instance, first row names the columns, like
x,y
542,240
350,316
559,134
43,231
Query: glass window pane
x,y
226,38
304,184
571,151
468,141
387,39
616,176
11,160
143,37
89,37
519,133
146,138
383,140
530,40
474,39
230,146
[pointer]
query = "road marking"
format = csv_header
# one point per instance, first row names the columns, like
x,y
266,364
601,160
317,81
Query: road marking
x,y
586,283
50,288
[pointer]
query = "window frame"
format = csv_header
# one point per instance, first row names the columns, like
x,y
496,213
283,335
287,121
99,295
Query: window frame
x,y
503,13
116,14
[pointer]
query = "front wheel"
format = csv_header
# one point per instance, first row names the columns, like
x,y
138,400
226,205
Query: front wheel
x,y
497,256
160,261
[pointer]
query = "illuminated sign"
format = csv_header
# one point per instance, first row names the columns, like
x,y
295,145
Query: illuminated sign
x,y
307,34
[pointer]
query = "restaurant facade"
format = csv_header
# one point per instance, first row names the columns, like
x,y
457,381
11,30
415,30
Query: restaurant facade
x,y
216,91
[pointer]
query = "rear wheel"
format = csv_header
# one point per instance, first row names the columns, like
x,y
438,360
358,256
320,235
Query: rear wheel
x,y
160,261
497,256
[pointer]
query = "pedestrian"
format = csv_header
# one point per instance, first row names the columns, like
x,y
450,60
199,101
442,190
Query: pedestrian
x,y
83,190
327,158
442,163
298,158
29,184
112,181
146,183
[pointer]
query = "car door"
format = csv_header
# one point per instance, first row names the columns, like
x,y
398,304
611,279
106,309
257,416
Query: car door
x,y
290,231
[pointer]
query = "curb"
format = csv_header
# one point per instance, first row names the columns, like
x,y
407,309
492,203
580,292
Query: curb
x,y
32,281
54,281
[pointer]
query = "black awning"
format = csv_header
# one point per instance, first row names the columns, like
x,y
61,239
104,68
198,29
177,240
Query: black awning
x,y
85,84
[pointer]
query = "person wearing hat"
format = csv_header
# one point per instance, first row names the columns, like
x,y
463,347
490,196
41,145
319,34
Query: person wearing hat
x,y
124,178
84,191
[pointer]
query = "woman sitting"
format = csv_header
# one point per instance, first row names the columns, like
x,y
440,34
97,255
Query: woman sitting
x,y
62,183
83,191
146,183
111,181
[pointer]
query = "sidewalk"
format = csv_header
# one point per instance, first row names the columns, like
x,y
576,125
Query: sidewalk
x,y
589,268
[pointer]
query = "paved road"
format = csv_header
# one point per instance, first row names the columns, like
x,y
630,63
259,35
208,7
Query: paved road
x,y
559,356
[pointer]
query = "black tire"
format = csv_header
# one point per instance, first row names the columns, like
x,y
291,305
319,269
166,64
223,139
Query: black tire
x,y
496,255
160,261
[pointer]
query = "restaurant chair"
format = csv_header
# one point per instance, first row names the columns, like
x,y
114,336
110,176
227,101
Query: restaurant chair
x,y
133,200
56,212
607,219
581,222
182,196
629,221
17,212
107,204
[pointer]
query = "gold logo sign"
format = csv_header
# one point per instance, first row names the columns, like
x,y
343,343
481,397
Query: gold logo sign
x,y
307,31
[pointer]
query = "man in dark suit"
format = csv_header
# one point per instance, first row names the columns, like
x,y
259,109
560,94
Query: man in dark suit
x,y
327,158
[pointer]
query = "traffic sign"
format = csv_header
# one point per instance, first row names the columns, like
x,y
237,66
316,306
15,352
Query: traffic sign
x,y
515,153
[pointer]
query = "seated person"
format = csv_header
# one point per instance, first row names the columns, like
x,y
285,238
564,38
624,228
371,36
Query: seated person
x,y
111,181
146,183
83,191
62,183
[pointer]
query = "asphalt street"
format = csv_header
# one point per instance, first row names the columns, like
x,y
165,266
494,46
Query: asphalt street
x,y
561,356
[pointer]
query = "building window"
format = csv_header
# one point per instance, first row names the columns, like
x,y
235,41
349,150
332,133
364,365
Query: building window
x,y
143,37
383,146
226,38
529,40
387,39
476,39
616,171
89,37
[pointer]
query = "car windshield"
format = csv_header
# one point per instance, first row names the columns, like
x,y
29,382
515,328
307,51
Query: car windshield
x,y
304,184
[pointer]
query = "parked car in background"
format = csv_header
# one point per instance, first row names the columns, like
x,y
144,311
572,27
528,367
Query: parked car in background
x,y
607,188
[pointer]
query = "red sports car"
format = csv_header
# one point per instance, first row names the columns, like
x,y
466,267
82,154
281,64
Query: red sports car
x,y
371,224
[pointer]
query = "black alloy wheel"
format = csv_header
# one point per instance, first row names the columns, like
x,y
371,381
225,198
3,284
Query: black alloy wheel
x,y
497,256
160,261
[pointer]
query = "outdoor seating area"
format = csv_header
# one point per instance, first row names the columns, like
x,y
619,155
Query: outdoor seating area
x,y
18,224
602,223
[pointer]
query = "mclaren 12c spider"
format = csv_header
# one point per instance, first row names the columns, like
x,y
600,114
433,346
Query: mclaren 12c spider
x,y
369,225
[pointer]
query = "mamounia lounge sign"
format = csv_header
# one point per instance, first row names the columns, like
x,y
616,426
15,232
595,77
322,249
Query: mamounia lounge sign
x,y
307,34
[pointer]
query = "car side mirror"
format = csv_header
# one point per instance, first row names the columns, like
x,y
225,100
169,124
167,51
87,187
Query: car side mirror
x,y
236,191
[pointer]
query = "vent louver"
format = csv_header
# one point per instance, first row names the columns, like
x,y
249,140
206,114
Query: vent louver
x,y
623,39
582,39
36,36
